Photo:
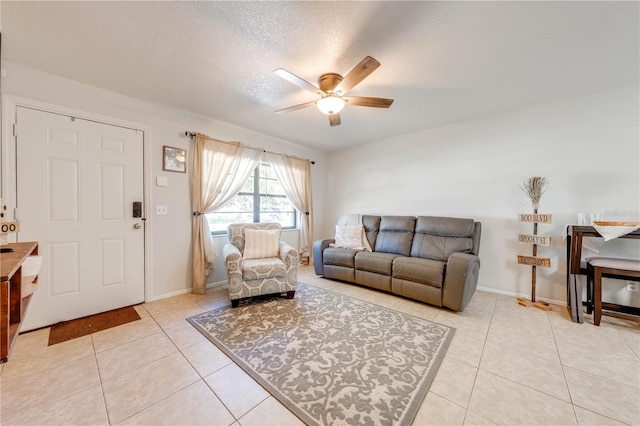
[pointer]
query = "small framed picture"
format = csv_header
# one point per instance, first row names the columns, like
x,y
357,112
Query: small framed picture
x,y
174,159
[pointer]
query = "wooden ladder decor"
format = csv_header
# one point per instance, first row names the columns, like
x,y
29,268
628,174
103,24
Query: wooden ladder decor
x,y
534,187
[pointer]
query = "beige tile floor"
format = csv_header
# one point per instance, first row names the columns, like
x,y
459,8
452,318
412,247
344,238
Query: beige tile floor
x,y
506,365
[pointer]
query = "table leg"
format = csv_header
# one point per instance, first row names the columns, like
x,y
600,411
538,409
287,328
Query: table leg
x,y
597,296
4,317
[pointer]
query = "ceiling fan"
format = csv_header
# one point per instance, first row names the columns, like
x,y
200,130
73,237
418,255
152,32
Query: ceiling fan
x,y
332,88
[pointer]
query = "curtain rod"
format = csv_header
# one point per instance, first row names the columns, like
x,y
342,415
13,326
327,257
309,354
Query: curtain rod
x,y
193,135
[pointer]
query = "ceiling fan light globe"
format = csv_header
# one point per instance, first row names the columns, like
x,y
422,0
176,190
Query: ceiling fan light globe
x,y
330,104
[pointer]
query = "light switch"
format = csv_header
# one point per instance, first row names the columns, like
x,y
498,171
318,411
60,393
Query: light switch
x,y
162,210
162,181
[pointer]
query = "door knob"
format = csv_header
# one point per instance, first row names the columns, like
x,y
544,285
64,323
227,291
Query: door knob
x,y
137,225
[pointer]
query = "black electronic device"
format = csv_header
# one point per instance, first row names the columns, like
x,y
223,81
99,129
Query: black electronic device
x,y
137,209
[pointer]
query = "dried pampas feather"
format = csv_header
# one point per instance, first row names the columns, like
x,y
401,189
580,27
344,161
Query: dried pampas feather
x,y
534,187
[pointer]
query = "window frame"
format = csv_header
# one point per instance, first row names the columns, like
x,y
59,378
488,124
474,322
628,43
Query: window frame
x,y
257,196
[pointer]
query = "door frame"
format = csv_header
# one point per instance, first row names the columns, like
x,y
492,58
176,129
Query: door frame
x,y
8,166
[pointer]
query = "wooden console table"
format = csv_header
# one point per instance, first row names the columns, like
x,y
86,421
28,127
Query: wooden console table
x,y
575,236
13,306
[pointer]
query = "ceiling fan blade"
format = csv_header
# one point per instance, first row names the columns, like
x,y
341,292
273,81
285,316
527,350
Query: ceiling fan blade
x,y
296,107
292,78
357,74
334,120
368,102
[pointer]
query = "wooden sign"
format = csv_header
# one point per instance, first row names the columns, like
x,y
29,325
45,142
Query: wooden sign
x,y
534,239
7,227
544,262
534,218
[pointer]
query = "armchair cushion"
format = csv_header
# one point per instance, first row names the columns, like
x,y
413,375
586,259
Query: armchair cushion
x,y
256,269
261,243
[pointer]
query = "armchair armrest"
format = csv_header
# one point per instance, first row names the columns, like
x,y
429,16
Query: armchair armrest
x,y
460,281
233,266
289,256
231,253
318,251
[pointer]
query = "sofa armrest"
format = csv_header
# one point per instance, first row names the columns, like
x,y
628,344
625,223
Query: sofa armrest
x,y
289,256
318,250
460,280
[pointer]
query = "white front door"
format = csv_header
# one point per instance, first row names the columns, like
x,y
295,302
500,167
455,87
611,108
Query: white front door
x,y
77,181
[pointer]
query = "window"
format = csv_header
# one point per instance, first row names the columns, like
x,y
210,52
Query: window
x,y
261,200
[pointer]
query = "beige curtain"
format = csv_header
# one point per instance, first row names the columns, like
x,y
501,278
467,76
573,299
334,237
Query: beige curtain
x,y
295,176
220,169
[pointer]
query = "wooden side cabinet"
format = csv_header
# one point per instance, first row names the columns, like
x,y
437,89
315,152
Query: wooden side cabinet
x,y
13,299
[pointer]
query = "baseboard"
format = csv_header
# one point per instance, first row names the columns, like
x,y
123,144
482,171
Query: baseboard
x,y
217,284
188,290
512,294
175,293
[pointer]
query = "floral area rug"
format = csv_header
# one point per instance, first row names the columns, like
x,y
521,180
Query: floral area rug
x,y
330,358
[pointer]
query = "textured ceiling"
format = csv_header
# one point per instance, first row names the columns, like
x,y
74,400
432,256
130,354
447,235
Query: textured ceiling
x,y
442,62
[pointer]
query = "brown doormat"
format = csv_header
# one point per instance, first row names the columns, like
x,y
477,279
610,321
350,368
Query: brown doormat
x,y
67,330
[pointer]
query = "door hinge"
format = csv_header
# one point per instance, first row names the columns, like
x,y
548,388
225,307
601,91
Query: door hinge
x,y
15,129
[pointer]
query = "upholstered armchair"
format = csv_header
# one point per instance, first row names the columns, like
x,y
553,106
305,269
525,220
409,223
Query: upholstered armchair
x,y
258,263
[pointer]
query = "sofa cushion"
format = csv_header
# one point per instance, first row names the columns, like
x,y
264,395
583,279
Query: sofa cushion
x,y
395,235
438,237
371,228
424,271
379,263
445,226
339,257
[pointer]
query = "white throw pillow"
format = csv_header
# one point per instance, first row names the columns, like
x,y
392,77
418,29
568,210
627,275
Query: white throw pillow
x,y
349,236
261,243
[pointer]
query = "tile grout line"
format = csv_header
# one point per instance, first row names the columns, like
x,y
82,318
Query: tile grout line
x,y
475,378
162,331
201,378
564,374
533,389
104,400
573,404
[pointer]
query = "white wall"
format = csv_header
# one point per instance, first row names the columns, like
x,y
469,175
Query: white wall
x,y
171,234
588,147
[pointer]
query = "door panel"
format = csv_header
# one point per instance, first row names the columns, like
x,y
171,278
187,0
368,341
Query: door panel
x,y
76,182
112,192
64,269
112,261
62,190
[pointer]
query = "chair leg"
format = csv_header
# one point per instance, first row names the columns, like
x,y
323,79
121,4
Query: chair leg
x,y
290,294
597,296
589,288
235,303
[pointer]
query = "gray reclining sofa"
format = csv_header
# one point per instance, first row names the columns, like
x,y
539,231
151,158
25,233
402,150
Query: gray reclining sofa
x,y
430,259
